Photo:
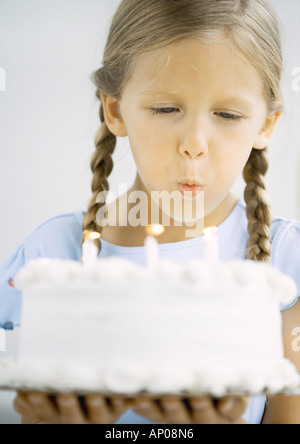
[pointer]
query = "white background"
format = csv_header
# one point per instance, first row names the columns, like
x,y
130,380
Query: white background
x,y
49,115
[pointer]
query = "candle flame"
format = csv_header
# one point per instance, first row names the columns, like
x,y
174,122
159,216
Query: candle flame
x,y
91,235
155,229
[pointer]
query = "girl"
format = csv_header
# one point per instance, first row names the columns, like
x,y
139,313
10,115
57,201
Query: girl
x,y
195,85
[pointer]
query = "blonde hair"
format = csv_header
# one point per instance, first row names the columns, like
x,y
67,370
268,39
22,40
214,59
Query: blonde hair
x,y
252,28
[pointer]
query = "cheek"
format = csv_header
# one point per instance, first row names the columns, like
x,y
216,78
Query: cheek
x,y
231,155
151,149
150,160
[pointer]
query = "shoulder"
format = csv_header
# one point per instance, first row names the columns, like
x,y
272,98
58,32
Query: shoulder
x,y
284,232
59,236
285,240
285,243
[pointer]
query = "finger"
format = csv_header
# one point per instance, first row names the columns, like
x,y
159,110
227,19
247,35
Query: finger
x,y
204,411
150,409
22,405
42,407
70,411
232,407
98,410
119,406
176,411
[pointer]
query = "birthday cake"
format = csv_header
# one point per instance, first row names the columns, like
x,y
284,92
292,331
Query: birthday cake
x,y
117,327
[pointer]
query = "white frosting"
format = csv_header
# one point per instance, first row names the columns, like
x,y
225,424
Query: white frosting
x,y
115,326
48,272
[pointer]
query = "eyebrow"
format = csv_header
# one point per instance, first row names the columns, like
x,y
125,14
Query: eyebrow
x,y
159,93
241,100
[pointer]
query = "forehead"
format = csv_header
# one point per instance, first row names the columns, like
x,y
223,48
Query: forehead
x,y
193,65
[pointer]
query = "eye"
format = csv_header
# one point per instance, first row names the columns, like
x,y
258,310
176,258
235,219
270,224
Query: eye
x,y
228,116
164,111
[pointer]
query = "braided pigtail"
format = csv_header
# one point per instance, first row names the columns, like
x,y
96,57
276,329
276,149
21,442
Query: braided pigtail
x,y
101,166
258,206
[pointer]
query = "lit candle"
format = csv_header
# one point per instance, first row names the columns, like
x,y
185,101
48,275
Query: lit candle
x,y
151,244
89,249
211,245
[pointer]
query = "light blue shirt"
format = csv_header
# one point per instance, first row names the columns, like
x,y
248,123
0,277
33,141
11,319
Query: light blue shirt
x,y
60,237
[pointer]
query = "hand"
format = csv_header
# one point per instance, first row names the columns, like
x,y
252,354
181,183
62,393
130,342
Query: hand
x,y
198,410
39,408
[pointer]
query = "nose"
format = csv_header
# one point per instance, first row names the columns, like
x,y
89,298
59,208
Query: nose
x,y
194,142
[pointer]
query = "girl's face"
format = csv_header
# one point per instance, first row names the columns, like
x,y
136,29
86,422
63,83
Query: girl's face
x,y
192,112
